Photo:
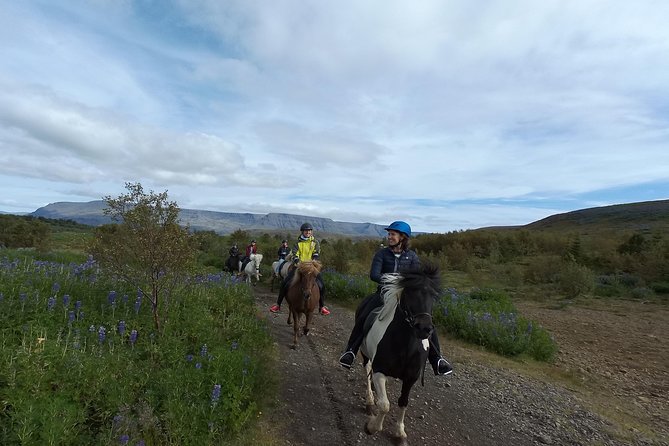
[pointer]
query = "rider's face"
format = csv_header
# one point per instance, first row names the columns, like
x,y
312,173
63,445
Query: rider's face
x,y
394,237
308,232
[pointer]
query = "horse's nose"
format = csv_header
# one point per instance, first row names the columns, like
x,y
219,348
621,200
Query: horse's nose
x,y
423,329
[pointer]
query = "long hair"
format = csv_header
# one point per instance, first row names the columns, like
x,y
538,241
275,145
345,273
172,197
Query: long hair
x,y
405,242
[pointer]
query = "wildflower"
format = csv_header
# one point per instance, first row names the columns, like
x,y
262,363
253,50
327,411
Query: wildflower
x,y
55,287
66,300
116,422
111,298
138,304
121,327
77,305
102,332
198,365
124,299
70,316
133,337
91,329
123,439
189,358
81,315
234,345
203,350
51,303
215,394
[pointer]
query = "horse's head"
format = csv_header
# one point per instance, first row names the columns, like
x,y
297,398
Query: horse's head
x,y
420,289
256,259
306,274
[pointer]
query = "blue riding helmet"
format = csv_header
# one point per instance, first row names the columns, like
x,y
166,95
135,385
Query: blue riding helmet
x,y
400,226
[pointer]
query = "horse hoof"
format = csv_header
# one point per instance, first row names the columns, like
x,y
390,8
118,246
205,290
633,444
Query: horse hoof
x,y
368,431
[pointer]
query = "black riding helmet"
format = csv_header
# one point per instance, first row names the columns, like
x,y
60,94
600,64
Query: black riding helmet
x,y
306,227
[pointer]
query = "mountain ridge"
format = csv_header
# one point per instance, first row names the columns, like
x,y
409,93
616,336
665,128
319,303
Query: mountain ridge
x,y
223,223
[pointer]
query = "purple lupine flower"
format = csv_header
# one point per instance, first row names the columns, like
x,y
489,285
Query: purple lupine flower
x,y
55,287
70,316
123,439
198,365
77,305
51,303
102,333
203,350
116,422
133,337
124,299
140,443
111,298
215,394
121,327
189,358
234,345
66,300
138,304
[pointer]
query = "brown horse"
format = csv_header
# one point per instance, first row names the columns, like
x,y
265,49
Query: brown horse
x,y
303,295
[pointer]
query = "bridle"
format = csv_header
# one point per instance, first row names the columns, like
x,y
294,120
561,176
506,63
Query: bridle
x,y
409,317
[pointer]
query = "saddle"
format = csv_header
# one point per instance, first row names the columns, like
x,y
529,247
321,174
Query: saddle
x,y
371,317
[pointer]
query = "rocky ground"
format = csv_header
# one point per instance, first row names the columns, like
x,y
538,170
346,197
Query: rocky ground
x,y
608,386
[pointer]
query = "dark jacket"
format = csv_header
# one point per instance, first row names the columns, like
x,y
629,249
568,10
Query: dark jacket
x,y
283,252
385,262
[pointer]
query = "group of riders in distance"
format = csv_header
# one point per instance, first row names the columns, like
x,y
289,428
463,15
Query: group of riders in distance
x,y
394,258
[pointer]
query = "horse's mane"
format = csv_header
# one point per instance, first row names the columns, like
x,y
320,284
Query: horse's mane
x,y
313,267
393,285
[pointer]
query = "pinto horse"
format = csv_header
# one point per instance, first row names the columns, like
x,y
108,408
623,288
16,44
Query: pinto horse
x,y
280,270
397,343
303,295
252,268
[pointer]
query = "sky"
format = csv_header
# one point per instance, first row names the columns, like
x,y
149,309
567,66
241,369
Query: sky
x,y
448,114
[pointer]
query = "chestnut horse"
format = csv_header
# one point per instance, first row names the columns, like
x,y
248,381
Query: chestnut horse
x,y
303,295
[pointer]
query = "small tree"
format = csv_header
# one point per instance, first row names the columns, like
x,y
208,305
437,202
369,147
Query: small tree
x,y
146,246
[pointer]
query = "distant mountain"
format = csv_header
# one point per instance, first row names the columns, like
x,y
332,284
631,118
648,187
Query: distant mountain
x,y
642,216
91,213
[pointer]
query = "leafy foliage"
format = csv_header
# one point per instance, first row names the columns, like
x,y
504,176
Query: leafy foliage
x,y
147,248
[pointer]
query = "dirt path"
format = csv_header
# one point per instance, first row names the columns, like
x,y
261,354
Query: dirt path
x,y
320,403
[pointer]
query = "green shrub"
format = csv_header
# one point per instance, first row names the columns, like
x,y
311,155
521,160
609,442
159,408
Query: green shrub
x,y
661,287
603,290
488,318
347,287
575,279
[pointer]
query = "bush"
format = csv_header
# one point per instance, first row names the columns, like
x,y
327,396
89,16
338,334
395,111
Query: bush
x,y
347,287
606,290
574,279
488,318
661,287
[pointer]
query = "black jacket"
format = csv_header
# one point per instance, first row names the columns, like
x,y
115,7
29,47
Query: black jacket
x,y
385,261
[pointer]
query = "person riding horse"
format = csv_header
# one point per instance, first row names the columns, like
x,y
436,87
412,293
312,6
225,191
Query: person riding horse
x,y
284,250
306,248
252,248
395,258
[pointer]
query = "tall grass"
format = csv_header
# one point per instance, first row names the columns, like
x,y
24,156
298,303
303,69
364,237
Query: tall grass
x,y
80,362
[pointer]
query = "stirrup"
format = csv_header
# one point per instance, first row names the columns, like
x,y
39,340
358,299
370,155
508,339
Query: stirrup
x,y
346,359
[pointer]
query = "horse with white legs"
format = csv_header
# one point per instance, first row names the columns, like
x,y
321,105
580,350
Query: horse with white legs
x,y
280,270
252,268
397,343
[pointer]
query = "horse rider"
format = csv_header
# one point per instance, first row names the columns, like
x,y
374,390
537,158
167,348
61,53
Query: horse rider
x,y
250,249
306,248
234,251
283,250
394,259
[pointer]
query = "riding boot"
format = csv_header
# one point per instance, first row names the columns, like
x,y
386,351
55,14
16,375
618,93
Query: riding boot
x,y
439,363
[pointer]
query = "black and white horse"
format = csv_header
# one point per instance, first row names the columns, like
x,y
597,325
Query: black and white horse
x,y
397,343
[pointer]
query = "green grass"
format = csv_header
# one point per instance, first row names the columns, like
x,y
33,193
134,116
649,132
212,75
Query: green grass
x,y
81,362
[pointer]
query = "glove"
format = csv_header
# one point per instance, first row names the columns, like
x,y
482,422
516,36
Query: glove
x,y
314,257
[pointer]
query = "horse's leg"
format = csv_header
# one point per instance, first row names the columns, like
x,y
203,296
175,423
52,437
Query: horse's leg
x,y
403,403
375,422
369,397
296,327
308,317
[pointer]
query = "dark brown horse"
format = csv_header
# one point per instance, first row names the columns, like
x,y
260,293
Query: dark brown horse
x,y
303,295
